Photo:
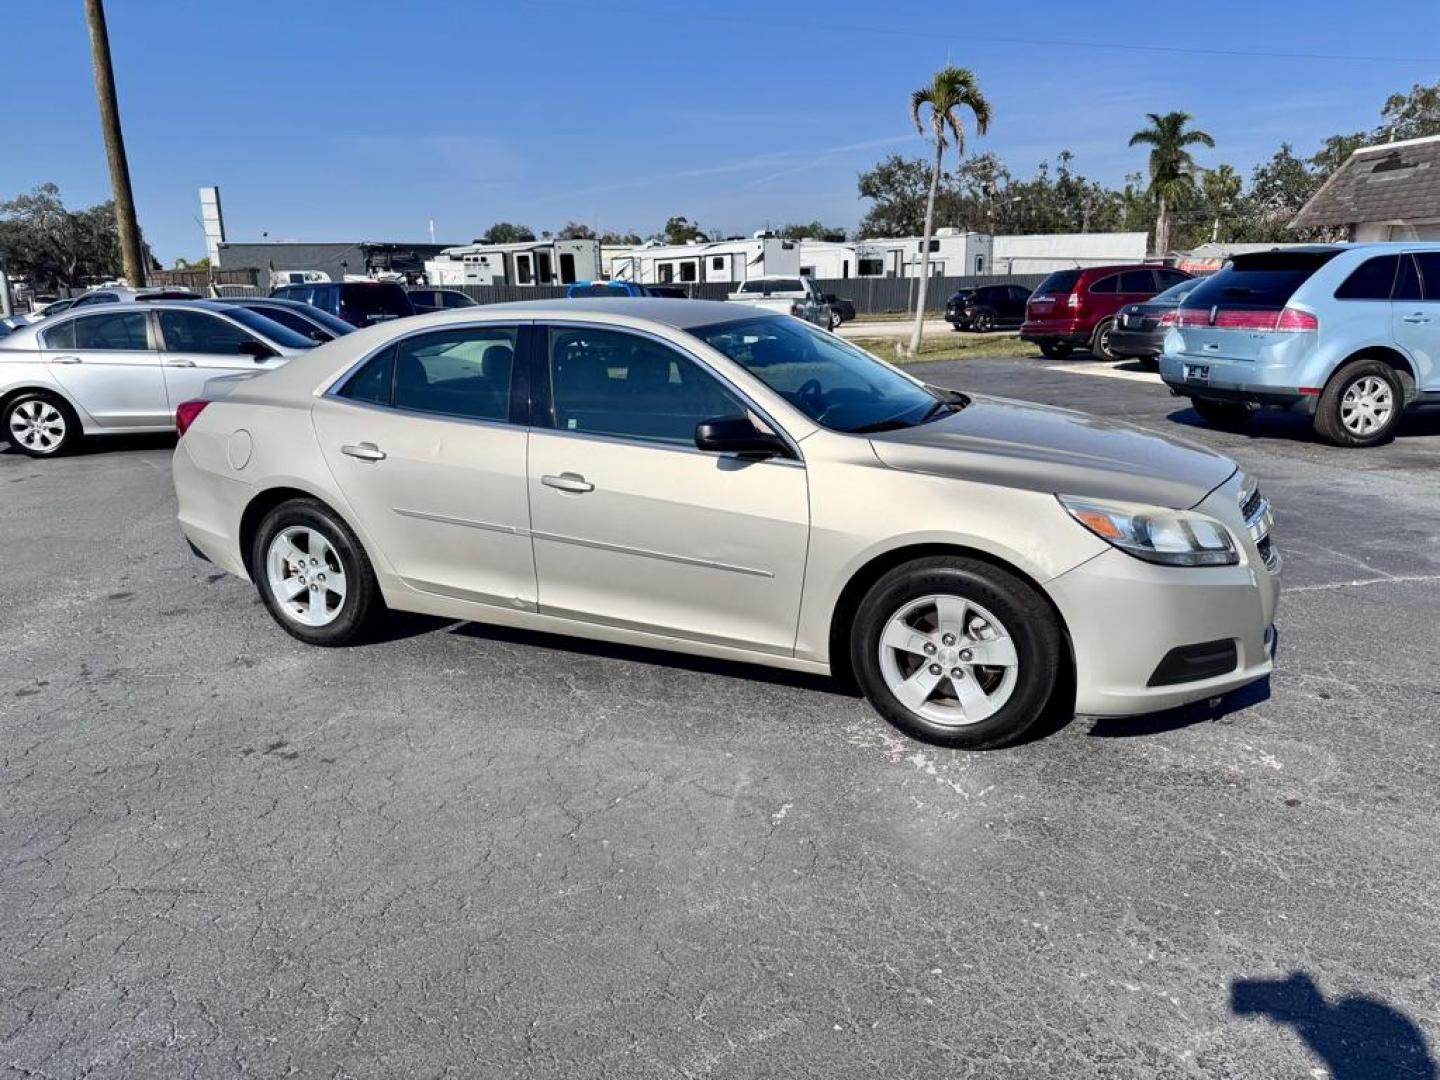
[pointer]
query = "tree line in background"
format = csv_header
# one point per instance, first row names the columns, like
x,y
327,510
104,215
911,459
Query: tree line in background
x,y
52,245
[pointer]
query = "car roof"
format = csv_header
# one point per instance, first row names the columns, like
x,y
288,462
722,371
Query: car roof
x,y
681,314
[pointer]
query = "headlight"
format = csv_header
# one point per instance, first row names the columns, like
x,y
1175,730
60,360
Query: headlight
x,y
1154,534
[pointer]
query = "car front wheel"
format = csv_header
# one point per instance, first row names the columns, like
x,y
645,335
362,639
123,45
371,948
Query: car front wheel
x,y
40,425
956,652
313,575
1361,405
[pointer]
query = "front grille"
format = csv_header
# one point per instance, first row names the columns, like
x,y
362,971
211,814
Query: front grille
x,y
1255,509
1251,504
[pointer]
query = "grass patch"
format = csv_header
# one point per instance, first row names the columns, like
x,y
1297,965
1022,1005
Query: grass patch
x,y
952,346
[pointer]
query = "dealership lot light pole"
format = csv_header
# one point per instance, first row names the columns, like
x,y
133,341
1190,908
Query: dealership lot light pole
x,y
125,223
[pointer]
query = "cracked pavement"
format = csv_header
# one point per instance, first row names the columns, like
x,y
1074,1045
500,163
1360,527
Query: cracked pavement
x,y
475,852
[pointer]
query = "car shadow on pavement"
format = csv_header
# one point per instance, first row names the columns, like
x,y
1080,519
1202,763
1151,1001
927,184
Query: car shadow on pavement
x,y
1357,1037
162,440
1274,424
1199,712
655,657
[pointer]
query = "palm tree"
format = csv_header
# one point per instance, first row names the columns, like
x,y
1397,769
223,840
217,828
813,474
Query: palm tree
x,y
1172,170
1222,187
951,90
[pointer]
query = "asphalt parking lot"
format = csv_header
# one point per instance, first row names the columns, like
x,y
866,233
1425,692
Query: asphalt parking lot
x,y
470,852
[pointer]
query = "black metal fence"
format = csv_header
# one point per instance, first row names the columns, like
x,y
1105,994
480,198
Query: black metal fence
x,y
871,296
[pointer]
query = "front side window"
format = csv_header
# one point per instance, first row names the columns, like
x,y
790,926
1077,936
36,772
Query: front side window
x,y
459,372
198,332
831,381
1371,280
113,331
607,382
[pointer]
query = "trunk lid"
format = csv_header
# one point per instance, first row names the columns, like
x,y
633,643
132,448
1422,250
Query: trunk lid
x,y
1243,310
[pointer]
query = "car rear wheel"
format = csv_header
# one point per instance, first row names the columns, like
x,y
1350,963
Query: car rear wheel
x,y
1228,415
1055,350
1100,342
1361,405
313,575
983,322
40,424
956,652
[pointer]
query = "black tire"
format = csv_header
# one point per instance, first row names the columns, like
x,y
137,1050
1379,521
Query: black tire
x,y
1056,350
1100,342
21,412
1330,410
362,605
1226,415
1031,624
983,322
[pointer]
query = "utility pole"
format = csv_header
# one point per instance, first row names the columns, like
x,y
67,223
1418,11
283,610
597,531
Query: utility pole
x,y
125,223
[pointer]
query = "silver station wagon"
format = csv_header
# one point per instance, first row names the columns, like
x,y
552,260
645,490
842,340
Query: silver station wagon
x,y
706,478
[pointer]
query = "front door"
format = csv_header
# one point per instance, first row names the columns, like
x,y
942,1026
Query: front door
x,y
420,442
633,526
1416,314
198,346
108,364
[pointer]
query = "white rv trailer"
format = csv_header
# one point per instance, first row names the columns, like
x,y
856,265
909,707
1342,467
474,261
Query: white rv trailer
x,y
533,262
1043,253
953,253
827,259
719,260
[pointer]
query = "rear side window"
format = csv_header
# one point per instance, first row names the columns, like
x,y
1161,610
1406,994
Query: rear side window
x,y
785,285
1371,280
1171,278
59,337
1429,264
1137,281
120,331
461,372
1107,284
373,383
1062,281
1263,282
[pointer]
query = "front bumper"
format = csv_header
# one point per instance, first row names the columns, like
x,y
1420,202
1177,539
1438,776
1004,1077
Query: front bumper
x,y
1125,616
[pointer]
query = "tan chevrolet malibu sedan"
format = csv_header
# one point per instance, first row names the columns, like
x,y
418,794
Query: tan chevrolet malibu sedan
x,y
698,477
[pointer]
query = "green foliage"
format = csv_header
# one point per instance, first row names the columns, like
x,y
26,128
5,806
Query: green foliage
x,y
951,90
680,230
574,230
52,245
186,264
504,232
631,238
816,230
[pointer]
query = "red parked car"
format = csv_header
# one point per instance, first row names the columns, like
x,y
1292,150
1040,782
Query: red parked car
x,y
1076,309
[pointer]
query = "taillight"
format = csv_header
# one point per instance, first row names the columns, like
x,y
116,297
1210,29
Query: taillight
x,y
1073,301
1297,321
1291,320
185,414
1170,318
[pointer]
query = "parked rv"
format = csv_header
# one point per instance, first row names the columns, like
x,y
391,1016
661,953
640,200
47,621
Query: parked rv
x,y
796,296
533,262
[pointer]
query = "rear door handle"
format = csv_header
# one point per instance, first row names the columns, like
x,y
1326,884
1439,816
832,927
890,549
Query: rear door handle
x,y
365,451
66,360
1417,317
568,481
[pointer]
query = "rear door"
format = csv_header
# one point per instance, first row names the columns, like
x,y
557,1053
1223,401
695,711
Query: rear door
x,y
198,346
1416,314
108,363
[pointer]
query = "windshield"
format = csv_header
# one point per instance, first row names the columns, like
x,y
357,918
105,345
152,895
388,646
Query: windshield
x,y
831,381
270,329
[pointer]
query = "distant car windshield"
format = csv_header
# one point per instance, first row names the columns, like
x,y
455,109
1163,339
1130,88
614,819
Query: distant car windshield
x,y
831,381
1062,281
270,329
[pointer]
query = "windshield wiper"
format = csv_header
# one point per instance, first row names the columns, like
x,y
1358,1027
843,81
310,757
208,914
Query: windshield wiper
x,y
894,423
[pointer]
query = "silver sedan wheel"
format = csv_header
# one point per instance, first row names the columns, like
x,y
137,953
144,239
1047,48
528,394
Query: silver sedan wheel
x,y
305,576
38,426
1367,405
949,660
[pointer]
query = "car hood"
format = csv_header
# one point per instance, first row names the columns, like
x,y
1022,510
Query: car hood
x,y
1018,444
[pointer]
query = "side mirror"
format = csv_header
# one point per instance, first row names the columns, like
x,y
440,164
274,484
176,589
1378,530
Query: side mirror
x,y
257,349
738,435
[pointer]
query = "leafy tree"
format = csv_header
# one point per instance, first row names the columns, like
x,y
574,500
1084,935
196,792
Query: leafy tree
x,y
681,230
1278,189
198,264
631,238
53,246
940,103
1410,116
897,187
1172,169
814,231
573,230
503,232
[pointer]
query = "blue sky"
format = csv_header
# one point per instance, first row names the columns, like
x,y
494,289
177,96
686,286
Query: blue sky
x,y
364,120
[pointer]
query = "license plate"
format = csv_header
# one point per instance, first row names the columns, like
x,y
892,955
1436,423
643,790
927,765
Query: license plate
x,y
1197,373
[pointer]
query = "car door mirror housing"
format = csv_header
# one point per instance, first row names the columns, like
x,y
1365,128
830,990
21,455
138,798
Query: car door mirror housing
x,y
738,435
258,350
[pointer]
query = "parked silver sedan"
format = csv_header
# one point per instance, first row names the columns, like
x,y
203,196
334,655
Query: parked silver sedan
x,y
122,368
704,478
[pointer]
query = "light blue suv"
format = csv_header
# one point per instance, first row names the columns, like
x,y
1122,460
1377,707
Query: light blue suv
x,y
1346,333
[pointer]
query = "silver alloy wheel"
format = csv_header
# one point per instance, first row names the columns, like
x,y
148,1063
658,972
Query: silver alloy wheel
x,y
949,660
38,426
305,576
1366,405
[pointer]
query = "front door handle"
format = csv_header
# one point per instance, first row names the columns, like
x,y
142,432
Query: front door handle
x,y
1416,317
568,481
182,363
365,451
66,360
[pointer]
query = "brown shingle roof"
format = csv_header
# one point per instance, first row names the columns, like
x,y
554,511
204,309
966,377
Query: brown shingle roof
x,y
1389,182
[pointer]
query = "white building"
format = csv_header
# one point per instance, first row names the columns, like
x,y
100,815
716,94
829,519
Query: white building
x,y
719,260
1045,252
953,253
534,262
